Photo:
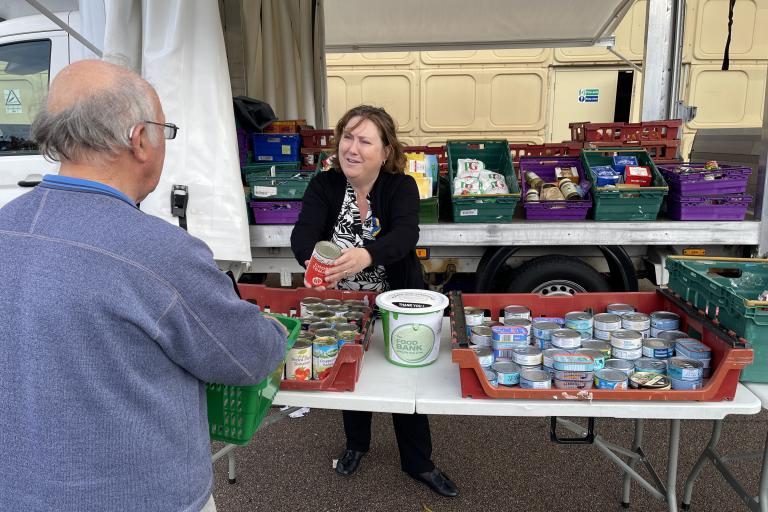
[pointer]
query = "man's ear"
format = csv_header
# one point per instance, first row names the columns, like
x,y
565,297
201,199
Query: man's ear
x,y
139,142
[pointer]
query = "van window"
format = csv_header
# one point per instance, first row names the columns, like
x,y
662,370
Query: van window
x,y
24,70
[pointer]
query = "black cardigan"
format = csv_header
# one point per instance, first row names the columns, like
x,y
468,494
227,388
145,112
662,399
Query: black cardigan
x,y
394,200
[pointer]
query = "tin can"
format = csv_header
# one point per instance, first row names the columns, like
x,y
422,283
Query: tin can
x,y
340,310
691,348
671,335
597,355
316,326
649,364
503,354
602,335
508,374
619,309
568,188
484,356
336,320
307,301
636,322
554,319
329,303
621,353
347,333
535,379
602,346
529,356
306,320
685,369
686,385
625,366
328,332
323,257
579,321
324,353
542,344
573,384
585,335
509,336
566,338
481,335
543,330
519,325
573,362
610,379
489,322
573,375
658,348
472,317
515,311
492,376
627,340
547,356
298,363
323,315
606,322
313,309
355,318
665,321
649,380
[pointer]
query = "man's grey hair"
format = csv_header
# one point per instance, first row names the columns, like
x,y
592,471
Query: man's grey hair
x,y
97,125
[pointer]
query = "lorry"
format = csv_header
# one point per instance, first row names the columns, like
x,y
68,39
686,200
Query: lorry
x,y
197,55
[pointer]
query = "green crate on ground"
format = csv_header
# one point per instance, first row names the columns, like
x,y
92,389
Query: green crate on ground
x,y
486,208
235,412
726,289
626,203
281,185
428,210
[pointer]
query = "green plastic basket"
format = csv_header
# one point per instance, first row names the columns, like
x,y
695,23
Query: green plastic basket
x,y
726,289
428,210
486,208
258,169
235,412
283,185
626,203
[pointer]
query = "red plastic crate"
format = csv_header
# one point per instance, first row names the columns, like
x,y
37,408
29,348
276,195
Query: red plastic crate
x,y
567,148
626,132
286,126
729,356
317,138
344,374
659,151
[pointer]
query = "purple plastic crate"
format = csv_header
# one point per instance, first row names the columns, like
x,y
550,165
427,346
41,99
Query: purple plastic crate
x,y
554,210
728,179
275,212
711,207
242,146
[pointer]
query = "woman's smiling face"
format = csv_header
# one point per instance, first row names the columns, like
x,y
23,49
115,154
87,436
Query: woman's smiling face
x,y
361,150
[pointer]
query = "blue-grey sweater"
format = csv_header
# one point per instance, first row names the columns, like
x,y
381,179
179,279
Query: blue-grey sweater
x,y
111,320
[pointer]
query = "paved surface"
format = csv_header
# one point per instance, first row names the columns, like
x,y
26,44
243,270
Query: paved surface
x,y
499,464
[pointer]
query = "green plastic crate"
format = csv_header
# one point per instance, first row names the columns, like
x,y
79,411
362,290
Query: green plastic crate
x,y
630,203
428,210
260,168
726,289
487,208
283,185
235,412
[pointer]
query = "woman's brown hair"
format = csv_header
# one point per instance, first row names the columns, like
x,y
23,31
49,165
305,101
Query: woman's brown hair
x,y
395,162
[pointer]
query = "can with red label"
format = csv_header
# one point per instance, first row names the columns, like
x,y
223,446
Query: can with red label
x,y
323,257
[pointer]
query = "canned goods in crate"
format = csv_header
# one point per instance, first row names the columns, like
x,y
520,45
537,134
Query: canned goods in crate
x,y
307,320
529,356
649,380
535,379
685,369
492,376
648,364
598,356
572,375
566,338
602,335
573,384
307,301
323,257
665,321
481,335
355,318
693,349
658,348
324,353
602,346
547,356
514,311
636,322
347,333
543,330
573,362
579,321
508,374
510,334
327,333
298,364
632,354
316,326
627,340
313,309
625,366
606,322
610,379
686,385
484,356
671,335
619,309
472,317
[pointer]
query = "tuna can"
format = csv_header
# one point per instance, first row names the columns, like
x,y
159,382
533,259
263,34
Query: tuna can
x,y
602,335
693,349
331,302
298,364
645,334
579,321
347,333
542,344
658,348
336,320
547,356
518,335
649,380
472,317
355,318
492,376
573,362
554,319
489,322
619,309
566,338
503,354
481,335
685,369
636,322
665,321
598,355
627,340
625,366
307,301
572,375
610,379
585,335
543,330
484,356
549,370
513,311
324,353
607,322
307,320
602,346
648,364
340,310
323,257
686,385
313,309
573,384
622,353
530,356
316,326
508,374
529,366
535,379
671,335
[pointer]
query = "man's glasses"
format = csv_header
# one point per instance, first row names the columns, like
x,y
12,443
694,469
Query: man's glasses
x,y
169,129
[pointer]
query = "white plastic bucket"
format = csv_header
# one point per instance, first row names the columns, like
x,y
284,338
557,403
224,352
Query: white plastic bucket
x,y
412,322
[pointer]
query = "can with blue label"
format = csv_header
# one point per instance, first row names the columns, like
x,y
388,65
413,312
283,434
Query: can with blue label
x,y
665,321
507,374
481,335
579,321
573,362
597,355
602,346
671,335
626,340
543,330
511,336
686,385
484,356
529,356
685,369
607,322
692,349
535,379
566,338
554,319
513,311
472,317
648,364
619,309
610,379
658,348
626,366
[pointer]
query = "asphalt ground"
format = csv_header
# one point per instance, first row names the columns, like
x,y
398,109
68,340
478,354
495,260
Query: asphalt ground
x,y
498,463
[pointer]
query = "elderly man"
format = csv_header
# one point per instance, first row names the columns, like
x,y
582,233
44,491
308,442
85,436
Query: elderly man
x,y
111,320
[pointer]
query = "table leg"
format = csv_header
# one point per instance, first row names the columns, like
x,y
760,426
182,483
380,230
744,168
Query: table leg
x,y
672,458
717,428
637,443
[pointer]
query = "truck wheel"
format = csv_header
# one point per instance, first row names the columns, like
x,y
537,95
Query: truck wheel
x,y
556,275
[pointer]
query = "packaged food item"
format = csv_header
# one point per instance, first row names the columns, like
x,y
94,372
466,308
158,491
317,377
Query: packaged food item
x,y
620,162
533,180
568,189
532,195
551,192
469,167
638,175
606,175
570,173
711,165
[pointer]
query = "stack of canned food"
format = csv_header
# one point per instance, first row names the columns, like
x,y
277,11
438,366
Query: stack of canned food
x,y
326,325
618,349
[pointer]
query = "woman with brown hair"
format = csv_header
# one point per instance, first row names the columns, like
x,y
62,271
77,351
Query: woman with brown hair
x,y
367,206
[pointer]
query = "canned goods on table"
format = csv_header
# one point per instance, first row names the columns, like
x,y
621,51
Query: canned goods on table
x,y
621,353
610,379
685,369
649,380
626,339
579,321
658,348
481,335
514,311
308,301
607,322
597,355
492,376
325,350
626,366
535,379
566,338
298,363
484,356
508,374
543,330
619,309
648,364
665,321
636,322
529,356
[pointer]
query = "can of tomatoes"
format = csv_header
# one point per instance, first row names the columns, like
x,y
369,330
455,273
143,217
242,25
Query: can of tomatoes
x,y
323,258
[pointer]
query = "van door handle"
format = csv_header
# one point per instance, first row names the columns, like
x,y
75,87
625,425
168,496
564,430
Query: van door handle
x,y
32,180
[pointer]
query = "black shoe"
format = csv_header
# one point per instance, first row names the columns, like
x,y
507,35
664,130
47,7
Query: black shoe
x,y
438,482
348,462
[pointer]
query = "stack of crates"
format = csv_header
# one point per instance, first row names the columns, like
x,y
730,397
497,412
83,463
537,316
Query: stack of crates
x,y
661,139
315,145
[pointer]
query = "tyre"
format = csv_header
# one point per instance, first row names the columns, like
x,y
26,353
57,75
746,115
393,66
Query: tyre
x,y
555,275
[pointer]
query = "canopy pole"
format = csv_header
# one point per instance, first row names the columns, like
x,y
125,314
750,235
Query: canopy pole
x,y
69,30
